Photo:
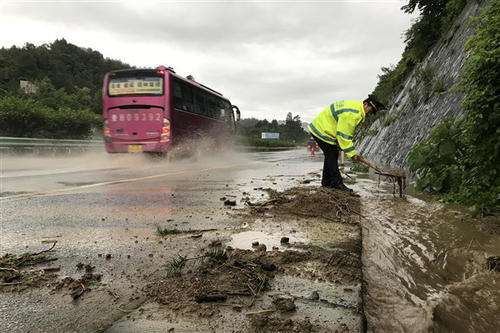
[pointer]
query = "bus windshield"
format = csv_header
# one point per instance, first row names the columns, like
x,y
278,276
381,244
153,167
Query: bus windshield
x,y
135,83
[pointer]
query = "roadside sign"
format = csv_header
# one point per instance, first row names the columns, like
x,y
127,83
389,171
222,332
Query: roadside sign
x,y
270,136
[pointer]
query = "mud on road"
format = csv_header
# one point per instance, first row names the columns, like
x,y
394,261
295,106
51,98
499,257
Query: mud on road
x,y
296,268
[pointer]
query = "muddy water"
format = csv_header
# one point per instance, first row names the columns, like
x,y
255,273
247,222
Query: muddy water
x,y
425,266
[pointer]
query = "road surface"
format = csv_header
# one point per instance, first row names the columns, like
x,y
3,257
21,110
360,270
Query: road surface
x,y
104,210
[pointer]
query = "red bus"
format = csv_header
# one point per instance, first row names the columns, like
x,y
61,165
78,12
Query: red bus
x,y
156,111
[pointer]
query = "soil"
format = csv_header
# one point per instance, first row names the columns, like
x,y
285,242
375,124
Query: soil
x,y
222,278
205,288
244,274
265,323
310,202
77,287
489,223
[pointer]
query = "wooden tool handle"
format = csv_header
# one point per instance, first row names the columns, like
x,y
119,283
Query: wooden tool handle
x,y
369,164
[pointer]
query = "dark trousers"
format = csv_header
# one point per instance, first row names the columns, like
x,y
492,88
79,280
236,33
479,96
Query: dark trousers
x,y
331,174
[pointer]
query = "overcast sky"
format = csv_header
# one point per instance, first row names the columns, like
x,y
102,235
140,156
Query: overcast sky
x,y
267,57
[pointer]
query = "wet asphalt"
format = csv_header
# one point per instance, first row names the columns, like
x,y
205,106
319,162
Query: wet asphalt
x,y
104,210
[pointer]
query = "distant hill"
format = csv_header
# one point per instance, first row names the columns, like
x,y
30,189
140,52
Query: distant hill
x,y
66,66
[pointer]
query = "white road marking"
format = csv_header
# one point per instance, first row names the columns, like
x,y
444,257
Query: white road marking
x,y
129,180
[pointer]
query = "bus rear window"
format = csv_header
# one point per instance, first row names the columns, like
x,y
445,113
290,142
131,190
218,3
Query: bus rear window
x,y
144,85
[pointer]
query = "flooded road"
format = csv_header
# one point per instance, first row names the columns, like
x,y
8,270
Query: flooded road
x,y
425,266
424,263
104,211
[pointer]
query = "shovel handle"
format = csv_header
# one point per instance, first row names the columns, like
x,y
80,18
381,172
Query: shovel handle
x,y
369,164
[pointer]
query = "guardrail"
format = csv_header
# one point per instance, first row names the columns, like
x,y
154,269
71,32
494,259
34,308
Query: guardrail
x,y
41,146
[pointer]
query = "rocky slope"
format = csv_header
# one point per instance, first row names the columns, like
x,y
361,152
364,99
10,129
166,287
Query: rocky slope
x,y
423,102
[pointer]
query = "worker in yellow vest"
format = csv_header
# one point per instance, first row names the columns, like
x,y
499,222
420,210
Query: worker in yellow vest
x,y
333,129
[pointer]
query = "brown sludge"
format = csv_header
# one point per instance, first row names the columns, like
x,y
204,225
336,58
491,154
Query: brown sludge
x,y
246,275
311,202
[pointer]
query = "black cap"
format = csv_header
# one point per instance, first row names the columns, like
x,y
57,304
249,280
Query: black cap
x,y
376,105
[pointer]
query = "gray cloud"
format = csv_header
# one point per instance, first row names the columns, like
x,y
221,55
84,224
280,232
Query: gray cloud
x,y
268,57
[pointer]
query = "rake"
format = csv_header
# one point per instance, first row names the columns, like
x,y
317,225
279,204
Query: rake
x,y
397,176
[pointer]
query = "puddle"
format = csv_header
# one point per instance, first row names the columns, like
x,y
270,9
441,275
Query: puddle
x,y
244,240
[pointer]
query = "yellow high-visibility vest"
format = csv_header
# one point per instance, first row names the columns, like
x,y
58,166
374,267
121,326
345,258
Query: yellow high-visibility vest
x,y
336,124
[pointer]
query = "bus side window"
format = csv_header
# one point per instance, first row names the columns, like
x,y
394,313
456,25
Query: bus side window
x,y
183,96
177,95
187,98
212,107
199,102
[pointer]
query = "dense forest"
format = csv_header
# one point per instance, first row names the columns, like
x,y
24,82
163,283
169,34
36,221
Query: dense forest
x,y
63,65
65,101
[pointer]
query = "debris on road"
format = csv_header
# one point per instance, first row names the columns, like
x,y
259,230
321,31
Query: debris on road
x,y
207,281
14,276
225,276
51,269
261,247
313,202
267,266
166,232
12,273
284,304
210,298
238,278
87,282
265,323
26,259
494,264
314,296
229,202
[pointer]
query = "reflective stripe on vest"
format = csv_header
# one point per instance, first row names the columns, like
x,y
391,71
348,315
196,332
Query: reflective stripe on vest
x,y
318,134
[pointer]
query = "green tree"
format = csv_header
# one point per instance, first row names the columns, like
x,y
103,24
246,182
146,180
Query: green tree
x,y
434,21
26,117
66,66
